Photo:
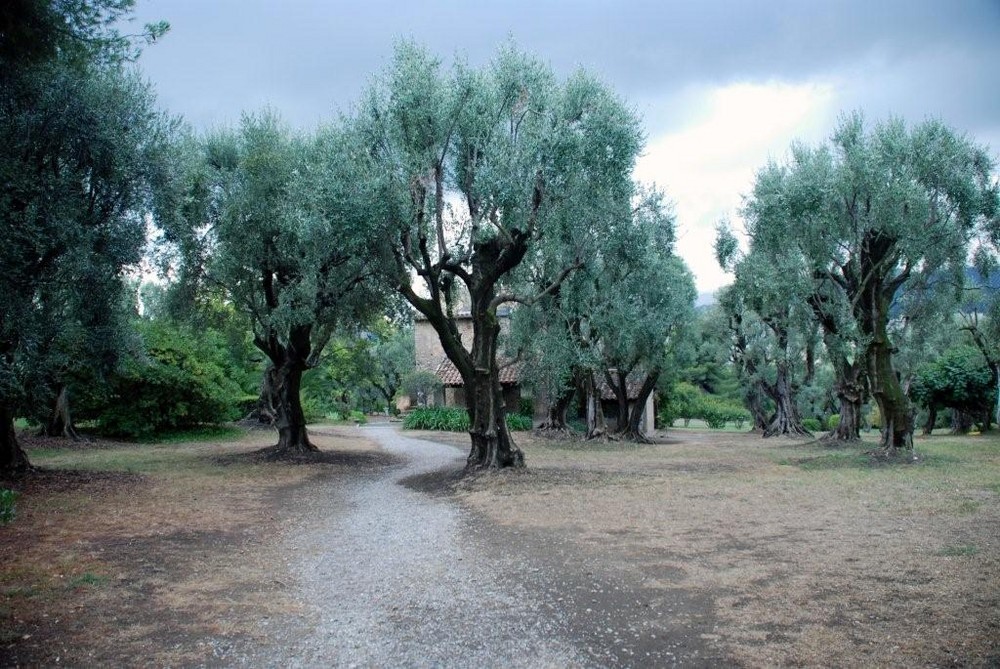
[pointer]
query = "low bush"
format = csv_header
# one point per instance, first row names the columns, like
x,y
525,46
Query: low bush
x,y
686,401
447,419
874,419
812,424
833,422
454,419
181,380
519,422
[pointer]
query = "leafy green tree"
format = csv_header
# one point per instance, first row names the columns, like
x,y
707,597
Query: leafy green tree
x,y
279,222
82,151
421,385
179,378
643,314
748,336
77,32
960,380
77,348
871,213
617,320
771,288
709,363
482,170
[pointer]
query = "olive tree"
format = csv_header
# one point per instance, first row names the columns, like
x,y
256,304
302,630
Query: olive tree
x,y
614,323
482,168
278,223
82,150
871,212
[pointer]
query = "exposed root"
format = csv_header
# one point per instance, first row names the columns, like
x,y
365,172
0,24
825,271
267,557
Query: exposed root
x,y
833,439
894,456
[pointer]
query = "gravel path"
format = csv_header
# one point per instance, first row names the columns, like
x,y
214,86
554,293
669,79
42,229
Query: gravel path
x,y
396,581
397,577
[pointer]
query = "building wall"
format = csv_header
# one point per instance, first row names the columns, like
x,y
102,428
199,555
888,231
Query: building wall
x,y
428,345
430,354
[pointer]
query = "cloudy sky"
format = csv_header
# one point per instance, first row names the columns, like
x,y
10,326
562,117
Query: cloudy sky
x,y
722,85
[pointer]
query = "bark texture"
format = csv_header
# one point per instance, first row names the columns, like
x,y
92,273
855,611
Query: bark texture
x,y
894,407
596,426
60,422
630,414
556,415
13,459
266,411
288,362
786,419
850,393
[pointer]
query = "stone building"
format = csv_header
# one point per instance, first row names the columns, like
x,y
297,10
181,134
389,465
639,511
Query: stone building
x,y
430,357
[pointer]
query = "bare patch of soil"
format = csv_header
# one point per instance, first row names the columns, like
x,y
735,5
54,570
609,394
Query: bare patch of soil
x,y
171,564
809,555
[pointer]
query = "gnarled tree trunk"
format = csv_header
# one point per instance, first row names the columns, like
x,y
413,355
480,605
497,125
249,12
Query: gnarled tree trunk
x,y
13,459
291,420
931,419
60,422
893,405
596,426
849,389
961,421
786,419
555,419
617,381
266,411
755,404
635,430
492,445
288,362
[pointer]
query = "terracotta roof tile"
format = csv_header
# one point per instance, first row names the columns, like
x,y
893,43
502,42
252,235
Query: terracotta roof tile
x,y
448,373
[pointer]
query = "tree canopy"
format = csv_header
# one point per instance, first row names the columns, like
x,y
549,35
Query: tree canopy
x,y
868,214
82,151
481,170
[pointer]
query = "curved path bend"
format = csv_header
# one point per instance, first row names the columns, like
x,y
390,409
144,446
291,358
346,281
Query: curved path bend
x,y
397,577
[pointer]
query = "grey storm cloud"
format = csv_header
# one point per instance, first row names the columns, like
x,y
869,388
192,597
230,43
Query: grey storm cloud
x,y
309,59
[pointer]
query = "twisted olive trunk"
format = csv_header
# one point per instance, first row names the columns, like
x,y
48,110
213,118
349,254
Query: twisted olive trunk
x,y
13,459
60,422
492,445
557,411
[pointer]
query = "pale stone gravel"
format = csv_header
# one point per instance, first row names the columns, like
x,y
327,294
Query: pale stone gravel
x,y
391,577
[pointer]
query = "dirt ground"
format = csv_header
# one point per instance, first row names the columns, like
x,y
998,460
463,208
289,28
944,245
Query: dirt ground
x,y
166,560
812,556
806,555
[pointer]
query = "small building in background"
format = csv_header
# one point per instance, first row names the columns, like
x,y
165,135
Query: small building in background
x,y
430,357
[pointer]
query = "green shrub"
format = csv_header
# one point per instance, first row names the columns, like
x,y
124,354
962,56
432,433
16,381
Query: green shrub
x,y
454,419
526,406
716,412
313,409
447,419
812,424
519,422
7,506
833,422
875,419
686,401
681,401
180,381
357,417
